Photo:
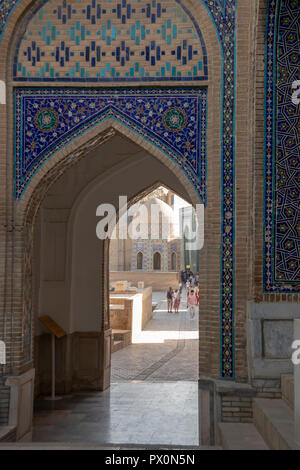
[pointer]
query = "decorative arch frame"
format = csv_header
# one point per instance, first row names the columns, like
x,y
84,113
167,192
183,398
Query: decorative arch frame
x,y
221,13
34,105
139,260
173,265
156,261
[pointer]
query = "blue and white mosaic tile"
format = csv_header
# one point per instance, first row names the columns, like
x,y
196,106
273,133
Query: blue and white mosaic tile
x,y
282,149
174,120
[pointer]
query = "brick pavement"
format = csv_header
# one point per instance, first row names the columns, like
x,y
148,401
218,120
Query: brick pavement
x,y
167,348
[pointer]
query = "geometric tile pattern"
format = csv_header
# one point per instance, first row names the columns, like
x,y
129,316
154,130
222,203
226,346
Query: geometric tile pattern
x,y
282,150
6,8
148,248
224,17
105,40
174,120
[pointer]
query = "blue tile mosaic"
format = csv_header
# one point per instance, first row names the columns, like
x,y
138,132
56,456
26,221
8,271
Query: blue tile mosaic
x,y
171,36
282,149
174,120
223,14
6,8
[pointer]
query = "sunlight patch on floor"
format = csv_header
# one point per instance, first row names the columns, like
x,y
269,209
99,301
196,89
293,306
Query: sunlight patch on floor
x,y
159,337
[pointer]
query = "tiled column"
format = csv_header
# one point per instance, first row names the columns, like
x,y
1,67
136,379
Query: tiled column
x,y
297,386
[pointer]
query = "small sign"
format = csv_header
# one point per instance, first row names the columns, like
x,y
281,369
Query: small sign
x,y
52,326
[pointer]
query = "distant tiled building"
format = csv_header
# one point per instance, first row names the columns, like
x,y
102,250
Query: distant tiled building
x,y
161,250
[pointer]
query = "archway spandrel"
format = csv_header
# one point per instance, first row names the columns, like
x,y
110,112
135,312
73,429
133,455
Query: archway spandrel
x,y
214,143
173,121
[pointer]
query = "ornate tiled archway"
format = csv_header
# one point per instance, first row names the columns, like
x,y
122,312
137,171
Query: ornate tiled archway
x,y
222,13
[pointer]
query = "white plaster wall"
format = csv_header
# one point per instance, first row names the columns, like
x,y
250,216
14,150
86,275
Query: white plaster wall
x,y
117,168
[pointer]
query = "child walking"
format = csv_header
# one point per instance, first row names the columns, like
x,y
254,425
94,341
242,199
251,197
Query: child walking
x,y
192,302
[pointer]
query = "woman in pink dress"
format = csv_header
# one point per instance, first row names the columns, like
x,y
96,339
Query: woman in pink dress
x,y
197,293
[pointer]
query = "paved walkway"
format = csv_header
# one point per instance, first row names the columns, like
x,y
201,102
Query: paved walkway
x,y
128,413
153,399
167,350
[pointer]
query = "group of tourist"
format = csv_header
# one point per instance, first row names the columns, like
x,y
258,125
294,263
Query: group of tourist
x,y
189,276
192,294
173,298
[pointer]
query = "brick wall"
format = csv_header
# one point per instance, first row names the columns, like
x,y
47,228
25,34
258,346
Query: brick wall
x,y
158,281
120,318
236,409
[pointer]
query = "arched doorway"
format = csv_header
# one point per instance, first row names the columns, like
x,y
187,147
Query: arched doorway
x,y
139,261
85,350
173,261
156,261
66,224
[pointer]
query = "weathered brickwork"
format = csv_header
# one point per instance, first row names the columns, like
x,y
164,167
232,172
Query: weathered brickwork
x,y
236,409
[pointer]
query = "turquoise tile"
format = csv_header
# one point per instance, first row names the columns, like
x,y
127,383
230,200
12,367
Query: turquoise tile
x,y
133,32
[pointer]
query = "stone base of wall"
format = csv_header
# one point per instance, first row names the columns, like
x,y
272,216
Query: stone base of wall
x,y
131,311
21,404
234,402
8,434
270,336
237,409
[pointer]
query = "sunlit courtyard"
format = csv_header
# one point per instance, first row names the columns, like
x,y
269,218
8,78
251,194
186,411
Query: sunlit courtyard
x,y
153,398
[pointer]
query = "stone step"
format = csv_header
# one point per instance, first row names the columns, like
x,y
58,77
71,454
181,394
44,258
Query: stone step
x,y
240,436
287,389
122,335
106,447
117,345
274,420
